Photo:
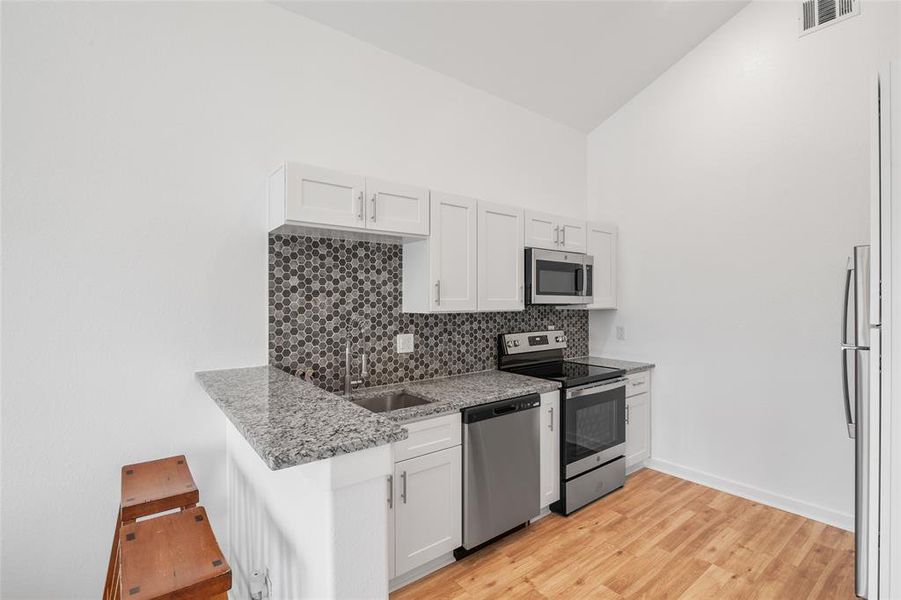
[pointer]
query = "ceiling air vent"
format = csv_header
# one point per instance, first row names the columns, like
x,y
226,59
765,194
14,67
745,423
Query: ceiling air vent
x,y
816,14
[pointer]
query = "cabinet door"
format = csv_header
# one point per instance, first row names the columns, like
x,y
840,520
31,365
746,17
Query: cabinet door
x,y
602,240
550,448
317,195
637,429
428,509
500,257
396,207
573,235
541,231
453,246
391,500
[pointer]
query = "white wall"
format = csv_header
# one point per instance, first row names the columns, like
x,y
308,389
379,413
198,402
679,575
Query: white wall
x,y
740,181
136,140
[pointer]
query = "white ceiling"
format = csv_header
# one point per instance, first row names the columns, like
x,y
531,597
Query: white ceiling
x,y
573,62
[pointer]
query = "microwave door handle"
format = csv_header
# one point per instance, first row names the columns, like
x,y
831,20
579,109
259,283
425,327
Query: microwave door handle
x,y
580,280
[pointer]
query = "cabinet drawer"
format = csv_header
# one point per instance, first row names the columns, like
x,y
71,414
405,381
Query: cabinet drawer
x,y
637,399
428,436
639,383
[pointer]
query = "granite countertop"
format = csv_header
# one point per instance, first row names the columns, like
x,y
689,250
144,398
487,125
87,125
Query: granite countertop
x,y
289,421
629,365
451,394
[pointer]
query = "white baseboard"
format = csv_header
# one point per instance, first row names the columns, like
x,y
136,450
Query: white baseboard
x,y
636,467
420,572
545,511
805,509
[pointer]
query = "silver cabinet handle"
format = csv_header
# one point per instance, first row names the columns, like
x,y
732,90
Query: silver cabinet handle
x,y
403,492
360,211
372,216
556,235
520,293
390,491
563,236
550,423
438,292
627,414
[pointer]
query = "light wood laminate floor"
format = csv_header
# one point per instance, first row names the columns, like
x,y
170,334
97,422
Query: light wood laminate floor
x,y
659,537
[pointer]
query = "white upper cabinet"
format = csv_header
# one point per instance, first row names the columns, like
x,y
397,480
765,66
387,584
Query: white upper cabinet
x,y
440,273
541,230
500,257
602,241
552,232
573,235
396,207
323,196
312,196
455,241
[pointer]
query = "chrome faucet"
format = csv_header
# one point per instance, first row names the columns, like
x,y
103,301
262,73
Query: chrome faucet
x,y
349,381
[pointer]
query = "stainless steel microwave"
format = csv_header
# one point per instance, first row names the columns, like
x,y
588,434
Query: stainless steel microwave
x,y
555,277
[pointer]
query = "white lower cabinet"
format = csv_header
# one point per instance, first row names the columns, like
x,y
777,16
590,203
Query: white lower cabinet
x,y
638,419
428,508
425,520
550,448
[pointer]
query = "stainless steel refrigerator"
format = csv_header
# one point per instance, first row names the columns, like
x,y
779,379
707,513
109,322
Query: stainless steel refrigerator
x,y
858,401
866,347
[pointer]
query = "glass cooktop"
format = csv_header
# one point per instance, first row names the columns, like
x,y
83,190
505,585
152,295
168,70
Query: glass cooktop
x,y
568,373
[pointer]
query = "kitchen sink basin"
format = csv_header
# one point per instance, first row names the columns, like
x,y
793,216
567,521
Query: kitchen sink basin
x,y
389,401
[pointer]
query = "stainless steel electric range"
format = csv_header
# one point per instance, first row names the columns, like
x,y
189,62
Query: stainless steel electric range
x,y
592,414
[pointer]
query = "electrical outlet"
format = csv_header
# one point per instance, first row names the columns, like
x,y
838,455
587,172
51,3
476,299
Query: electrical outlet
x,y
404,343
620,332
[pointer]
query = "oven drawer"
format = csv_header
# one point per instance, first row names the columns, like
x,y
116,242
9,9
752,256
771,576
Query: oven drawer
x,y
638,383
592,485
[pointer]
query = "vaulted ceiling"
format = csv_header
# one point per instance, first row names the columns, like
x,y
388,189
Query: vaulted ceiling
x,y
575,62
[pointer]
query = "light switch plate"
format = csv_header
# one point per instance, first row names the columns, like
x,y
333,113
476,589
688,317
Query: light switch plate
x,y
404,343
620,332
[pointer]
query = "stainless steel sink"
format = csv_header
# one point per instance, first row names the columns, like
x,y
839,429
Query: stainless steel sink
x,y
389,401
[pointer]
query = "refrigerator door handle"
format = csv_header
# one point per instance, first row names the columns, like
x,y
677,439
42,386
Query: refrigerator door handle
x,y
849,276
846,392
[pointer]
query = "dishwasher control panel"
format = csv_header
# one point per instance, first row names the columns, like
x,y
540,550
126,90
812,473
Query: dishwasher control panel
x,y
500,408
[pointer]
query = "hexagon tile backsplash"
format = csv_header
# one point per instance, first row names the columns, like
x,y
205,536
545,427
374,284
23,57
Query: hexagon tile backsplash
x,y
322,291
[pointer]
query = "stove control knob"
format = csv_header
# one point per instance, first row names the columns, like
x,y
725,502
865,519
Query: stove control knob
x,y
516,343
509,343
560,338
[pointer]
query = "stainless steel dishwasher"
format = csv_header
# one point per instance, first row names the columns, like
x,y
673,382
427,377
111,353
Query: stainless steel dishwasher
x,y
501,468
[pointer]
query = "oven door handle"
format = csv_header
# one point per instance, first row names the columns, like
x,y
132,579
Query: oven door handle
x,y
595,389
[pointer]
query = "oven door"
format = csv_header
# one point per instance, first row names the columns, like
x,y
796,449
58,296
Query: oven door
x,y
554,277
594,426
